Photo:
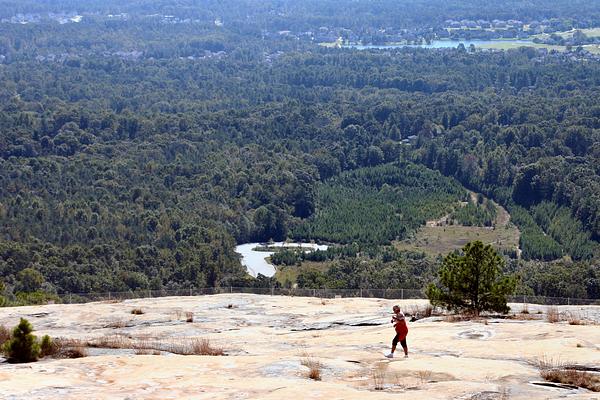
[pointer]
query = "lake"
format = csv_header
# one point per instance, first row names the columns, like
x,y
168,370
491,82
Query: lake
x,y
445,44
255,261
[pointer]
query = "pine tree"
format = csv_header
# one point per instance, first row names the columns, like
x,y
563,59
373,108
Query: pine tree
x,y
472,281
23,347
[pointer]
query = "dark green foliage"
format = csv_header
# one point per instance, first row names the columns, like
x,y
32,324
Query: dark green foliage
x,y
125,171
269,223
379,204
3,300
534,242
276,14
287,257
475,214
561,279
46,346
37,297
388,269
294,256
566,230
472,281
312,279
23,346
29,280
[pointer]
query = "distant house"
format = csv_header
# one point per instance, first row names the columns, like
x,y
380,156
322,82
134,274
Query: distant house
x,y
498,24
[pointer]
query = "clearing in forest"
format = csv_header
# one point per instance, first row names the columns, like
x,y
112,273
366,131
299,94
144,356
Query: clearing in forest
x,y
437,237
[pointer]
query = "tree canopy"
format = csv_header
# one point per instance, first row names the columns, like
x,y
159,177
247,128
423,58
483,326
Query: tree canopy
x,y
139,145
472,281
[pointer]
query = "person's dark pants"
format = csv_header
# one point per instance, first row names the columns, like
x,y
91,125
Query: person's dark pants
x,y
402,343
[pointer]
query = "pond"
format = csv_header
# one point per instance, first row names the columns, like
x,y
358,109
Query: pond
x,y
255,261
446,44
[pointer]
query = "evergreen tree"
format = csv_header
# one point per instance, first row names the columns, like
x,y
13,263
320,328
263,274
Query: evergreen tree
x,y
23,347
472,281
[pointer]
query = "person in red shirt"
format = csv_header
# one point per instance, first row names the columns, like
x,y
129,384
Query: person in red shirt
x,y
399,322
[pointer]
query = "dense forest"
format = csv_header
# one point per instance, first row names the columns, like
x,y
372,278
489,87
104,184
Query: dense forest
x,y
311,14
136,153
395,199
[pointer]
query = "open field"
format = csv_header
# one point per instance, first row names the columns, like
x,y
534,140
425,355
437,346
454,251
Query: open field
x,y
290,273
502,45
274,344
438,238
592,48
435,240
592,32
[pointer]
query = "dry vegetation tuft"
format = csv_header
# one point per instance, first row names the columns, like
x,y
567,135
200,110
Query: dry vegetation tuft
x,y
457,317
183,346
189,316
525,317
315,373
73,352
419,312
575,319
117,324
314,367
204,348
427,311
424,376
4,335
552,314
567,374
110,342
66,348
379,374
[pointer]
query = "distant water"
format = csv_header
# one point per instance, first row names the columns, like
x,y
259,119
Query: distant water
x,y
441,44
255,261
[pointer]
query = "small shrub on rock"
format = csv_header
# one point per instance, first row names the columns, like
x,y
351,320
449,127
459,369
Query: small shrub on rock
x,y
73,352
4,335
47,347
189,316
23,346
553,315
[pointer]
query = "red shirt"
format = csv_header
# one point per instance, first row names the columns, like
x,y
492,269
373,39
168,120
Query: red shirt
x,y
400,325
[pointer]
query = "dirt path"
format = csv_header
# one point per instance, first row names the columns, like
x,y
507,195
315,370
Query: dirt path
x,y
502,216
